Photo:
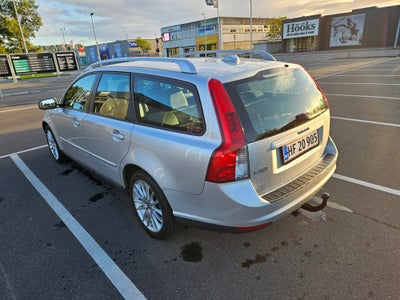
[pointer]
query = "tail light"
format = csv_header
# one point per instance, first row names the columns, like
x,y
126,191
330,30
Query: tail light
x,y
229,162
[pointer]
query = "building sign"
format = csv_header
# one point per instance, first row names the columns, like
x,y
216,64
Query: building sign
x,y
133,44
165,37
210,41
5,69
66,61
92,54
209,22
118,50
32,63
300,29
104,52
347,30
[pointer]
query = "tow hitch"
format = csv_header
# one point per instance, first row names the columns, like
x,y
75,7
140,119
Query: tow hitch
x,y
312,208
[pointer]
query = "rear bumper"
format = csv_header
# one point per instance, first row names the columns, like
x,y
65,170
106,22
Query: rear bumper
x,y
236,205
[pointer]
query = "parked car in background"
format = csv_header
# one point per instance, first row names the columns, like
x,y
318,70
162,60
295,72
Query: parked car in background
x,y
227,142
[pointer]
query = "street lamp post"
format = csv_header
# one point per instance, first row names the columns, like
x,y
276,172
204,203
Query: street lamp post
x,y
95,38
62,29
251,25
220,43
20,27
205,31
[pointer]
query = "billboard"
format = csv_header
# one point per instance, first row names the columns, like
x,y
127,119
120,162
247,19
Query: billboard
x,y
118,50
5,69
300,29
347,30
66,61
31,63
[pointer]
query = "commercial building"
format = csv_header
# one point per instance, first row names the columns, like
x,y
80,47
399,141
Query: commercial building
x,y
361,28
205,34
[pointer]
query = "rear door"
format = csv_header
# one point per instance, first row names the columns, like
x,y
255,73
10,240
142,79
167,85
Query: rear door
x,y
108,128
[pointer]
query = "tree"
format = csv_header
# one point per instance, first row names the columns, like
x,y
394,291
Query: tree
x,y
275,28
10,33
143,44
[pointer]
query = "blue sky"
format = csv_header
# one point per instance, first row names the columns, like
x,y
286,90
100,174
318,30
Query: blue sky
x,y
118,19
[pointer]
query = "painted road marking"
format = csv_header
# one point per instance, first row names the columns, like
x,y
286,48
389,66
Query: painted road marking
x,y
121,282
367,184
364,96
353,69
358,83
23,151
17,109
366,121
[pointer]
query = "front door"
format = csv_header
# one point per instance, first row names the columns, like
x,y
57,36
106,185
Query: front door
x,y
70,122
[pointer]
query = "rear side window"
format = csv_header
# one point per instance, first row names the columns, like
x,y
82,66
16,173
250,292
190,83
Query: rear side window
x,y
112,95
276,100
168,104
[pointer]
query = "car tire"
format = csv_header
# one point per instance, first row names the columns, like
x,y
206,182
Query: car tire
x,y
151,206
55,151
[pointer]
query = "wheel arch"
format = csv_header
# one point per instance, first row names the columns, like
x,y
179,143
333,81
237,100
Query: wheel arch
x,y
128,172
44,124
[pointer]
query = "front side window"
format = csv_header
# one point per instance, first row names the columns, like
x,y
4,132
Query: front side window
x,y
168,104
112,95
78,95
276,100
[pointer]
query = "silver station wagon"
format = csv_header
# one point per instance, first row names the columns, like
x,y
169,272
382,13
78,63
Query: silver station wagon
x,y
228,142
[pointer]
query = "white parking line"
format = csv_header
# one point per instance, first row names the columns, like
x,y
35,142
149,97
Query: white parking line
x,y
364,96
367,184
17,109
121,282
366,121
23,151
9,289
358,83
366,75
352,69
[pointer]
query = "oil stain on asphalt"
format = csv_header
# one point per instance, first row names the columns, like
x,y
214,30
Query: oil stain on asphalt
x,y
192,252
96,197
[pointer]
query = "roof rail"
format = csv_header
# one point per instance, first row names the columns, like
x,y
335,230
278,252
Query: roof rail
x,y
221,53
184,65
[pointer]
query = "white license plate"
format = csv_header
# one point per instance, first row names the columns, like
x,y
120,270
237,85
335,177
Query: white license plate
x,y
300,146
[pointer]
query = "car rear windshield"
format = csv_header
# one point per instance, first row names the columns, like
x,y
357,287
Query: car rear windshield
x,y
275,100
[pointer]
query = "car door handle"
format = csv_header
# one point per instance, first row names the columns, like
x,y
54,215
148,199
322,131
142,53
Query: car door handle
x,y
117,135
75,123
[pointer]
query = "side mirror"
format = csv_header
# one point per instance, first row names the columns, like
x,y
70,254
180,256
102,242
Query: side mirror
x,y
48,103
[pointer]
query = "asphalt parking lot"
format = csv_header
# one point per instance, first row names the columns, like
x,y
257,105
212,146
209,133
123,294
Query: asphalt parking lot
x,y
69,235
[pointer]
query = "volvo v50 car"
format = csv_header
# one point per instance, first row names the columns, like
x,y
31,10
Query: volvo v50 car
x,y
228,142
